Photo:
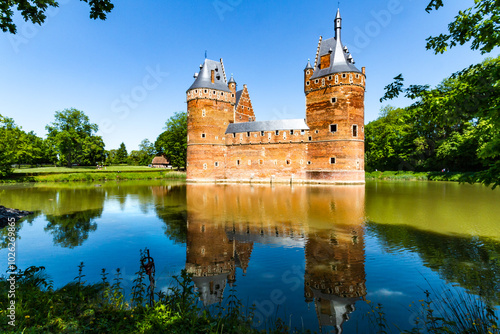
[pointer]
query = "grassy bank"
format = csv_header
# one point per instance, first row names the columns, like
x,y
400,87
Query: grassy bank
x,y
89,174
421,176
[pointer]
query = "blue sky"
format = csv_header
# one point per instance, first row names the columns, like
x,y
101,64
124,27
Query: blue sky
x,y
129,74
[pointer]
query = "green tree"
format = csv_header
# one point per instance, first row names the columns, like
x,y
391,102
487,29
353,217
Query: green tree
x,y
479,24
121,154
147,152
71,133
92,151
34,11
10,139
173,141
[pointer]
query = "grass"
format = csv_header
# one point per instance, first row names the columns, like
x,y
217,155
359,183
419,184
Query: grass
x,y
421,176
91,174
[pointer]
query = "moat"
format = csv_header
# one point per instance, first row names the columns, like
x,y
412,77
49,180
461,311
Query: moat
x,y
313,255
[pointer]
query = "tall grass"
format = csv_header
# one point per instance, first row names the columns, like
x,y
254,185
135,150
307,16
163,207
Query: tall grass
x,y
109,176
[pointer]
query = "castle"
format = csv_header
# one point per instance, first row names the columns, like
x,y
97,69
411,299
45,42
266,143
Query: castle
x,y
226,143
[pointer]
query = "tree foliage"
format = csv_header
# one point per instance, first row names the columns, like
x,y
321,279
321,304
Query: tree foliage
x,y
173,141
72,135
455,125
34,11
479,24
121,154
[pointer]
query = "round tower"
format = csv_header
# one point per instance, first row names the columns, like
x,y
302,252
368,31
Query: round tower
x,y
334,92
210,104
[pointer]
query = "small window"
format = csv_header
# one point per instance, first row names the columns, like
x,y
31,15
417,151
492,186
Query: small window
x,y
308,162
344,75
196,91
275,162
248,134
302,132
234,135
317,131
203,135
213,92
308,83
333,128
336,79
332,160
288,162
203,113
261,162
357,76
248,108
204,166
277,132
308,72
316,81
237,162
240,116
362,129
310,138
330,77
206,91
216,164
354,130
291,132
262,133
334,99
232,95
222,94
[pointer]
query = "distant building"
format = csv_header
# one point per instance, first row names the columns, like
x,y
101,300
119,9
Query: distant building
x,y
226,143
160,161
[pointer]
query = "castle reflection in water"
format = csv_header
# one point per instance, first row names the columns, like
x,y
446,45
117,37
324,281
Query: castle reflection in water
x,y
224,223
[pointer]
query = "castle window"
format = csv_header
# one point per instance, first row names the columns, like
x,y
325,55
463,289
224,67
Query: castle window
x,y
308,162
323,82
284,135
291,132
317,131
357,76
350,78
203,228
261,162
344,75
206,91
275,162
216,164
316,81
277,133
310,138
240,116
203,135
222,94
334,99
362,129
248,108
196,91
232,95
237,162
330,77
203,113
248,134
204,166
288,161
332,161
234,135
269,136
354,130
308,83
308,72
214,92
302,132
333,128
262,133
336,79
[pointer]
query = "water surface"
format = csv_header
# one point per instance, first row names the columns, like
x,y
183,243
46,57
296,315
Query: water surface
x,y
313,255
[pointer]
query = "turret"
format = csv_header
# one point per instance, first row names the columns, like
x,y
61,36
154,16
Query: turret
x,y
335,112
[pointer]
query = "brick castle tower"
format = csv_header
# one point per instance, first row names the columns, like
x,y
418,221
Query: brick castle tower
x,y
225,143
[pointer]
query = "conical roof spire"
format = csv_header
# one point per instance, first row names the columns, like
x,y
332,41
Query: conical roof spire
x,y
338,24
309,66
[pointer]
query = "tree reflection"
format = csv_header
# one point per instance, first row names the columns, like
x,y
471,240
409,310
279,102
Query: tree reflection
x,y
170,206
72,229
472,262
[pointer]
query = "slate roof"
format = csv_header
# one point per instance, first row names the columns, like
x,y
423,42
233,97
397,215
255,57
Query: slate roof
x,y
339,58
284,124
238,96
204,78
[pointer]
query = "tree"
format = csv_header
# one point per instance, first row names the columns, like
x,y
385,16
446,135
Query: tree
x,y
121,154
173,142
10,140
147,152
72,135
34,11
479,24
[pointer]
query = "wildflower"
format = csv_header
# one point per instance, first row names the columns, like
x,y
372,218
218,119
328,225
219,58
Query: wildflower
x,y
131,315
27,316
